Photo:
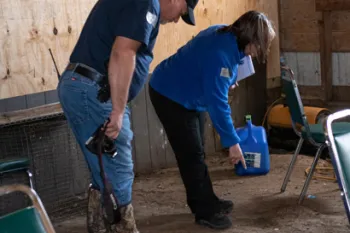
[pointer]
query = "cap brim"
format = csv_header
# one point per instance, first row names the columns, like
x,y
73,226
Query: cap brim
x,y
189,17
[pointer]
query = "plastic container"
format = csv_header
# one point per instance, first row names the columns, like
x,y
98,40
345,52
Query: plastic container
x,y
255,148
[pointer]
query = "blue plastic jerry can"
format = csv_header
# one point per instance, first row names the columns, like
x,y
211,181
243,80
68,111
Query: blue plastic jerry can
x,y
255,149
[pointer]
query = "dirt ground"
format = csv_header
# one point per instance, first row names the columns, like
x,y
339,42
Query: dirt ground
x,y
159,201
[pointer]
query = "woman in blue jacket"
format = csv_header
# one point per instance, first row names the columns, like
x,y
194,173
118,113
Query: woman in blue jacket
x,y
195,80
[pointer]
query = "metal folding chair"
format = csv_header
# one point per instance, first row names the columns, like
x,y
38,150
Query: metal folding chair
x,y
312,133
33,219
339,147
16,165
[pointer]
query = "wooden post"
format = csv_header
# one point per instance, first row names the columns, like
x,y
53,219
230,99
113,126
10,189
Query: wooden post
x,y
326,54
326,7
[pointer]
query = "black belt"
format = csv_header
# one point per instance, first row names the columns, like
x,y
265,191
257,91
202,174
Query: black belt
x,y
85,71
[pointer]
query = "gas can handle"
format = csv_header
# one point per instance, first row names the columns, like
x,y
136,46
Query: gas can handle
x,y
248,119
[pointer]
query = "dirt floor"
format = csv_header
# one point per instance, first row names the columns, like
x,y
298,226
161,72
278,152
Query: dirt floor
x,y
159,201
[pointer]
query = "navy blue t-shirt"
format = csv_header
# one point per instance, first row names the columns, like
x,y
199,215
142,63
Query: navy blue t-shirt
x,y
134,19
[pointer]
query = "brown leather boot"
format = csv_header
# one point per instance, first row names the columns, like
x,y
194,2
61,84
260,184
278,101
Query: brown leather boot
x,y
95,220
127,223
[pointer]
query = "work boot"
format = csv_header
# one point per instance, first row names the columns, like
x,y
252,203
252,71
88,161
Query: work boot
x,y
95,219
127,223
215,221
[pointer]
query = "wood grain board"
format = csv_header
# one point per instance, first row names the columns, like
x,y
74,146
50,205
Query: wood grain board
x,y
299,26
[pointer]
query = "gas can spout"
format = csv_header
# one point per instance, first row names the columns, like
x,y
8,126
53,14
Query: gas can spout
x,y
248,120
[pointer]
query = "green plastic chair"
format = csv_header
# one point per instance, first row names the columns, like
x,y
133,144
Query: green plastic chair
x,y
15,165
339,147
33,219
313,133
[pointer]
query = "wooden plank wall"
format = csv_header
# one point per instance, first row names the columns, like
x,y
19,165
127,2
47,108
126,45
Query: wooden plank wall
x,y
28,29
300,45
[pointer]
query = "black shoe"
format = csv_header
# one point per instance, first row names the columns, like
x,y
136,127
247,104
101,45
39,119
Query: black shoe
x,y
216,221
225,206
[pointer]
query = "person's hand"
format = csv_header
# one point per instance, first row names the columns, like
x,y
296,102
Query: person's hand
x,y
236,155
115,124
233,86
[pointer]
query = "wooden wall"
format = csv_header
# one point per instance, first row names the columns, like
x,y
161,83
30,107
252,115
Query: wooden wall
x,y
300,27
28,29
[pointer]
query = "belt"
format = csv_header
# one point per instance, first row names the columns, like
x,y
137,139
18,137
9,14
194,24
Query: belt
x,y
85,71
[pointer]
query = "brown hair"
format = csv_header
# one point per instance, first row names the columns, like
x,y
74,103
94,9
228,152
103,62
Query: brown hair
x,y
253,27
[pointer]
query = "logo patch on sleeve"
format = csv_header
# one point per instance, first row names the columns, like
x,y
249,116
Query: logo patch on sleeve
x,y
225,72
151,18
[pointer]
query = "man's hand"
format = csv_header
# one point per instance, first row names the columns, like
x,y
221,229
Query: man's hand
x,y
235,155
114,126
233,86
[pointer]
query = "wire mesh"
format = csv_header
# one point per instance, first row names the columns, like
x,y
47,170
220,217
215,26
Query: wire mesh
x,y
59,170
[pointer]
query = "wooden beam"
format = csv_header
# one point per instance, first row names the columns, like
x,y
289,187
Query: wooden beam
x,y
326,54
30,114
332,5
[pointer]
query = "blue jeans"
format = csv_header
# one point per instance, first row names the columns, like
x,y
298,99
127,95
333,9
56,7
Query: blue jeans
x,y
84,113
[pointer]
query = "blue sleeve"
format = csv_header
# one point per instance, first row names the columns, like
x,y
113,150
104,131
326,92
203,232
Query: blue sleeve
x,y
217,82
136,20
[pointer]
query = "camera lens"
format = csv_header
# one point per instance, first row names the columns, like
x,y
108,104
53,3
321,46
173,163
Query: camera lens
x,y
109,146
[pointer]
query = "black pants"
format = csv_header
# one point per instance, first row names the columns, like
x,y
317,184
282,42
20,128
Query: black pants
x,y
185,132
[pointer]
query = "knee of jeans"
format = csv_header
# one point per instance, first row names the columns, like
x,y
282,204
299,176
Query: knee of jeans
x,y
123,160
125,136
121,167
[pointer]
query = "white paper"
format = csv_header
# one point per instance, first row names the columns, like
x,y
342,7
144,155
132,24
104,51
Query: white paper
x,y
246,69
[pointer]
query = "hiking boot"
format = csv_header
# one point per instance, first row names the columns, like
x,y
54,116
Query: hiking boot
x,y
215,221
127,223
95,220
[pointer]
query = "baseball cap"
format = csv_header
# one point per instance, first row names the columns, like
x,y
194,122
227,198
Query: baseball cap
x,y
189,17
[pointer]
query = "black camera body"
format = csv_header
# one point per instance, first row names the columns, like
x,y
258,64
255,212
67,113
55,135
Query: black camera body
x,y
100,139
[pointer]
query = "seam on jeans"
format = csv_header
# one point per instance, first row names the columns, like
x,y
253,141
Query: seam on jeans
x,y
148,128
88,114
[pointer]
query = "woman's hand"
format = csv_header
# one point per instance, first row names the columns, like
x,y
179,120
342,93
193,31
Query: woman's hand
x,y
236,155
233,86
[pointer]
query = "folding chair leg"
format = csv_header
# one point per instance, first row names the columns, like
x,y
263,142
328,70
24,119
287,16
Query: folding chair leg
x,y
291,165
309,177
30,177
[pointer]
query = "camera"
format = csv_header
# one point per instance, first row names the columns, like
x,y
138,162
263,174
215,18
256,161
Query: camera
x,y
99,139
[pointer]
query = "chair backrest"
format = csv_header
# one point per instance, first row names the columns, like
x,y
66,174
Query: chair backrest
x,y
32,219
293,99
24,220
339,148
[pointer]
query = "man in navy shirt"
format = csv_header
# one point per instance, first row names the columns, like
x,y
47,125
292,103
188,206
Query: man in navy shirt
x,y
116,42
194,80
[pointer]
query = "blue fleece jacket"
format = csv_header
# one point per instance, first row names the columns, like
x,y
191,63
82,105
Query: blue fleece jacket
x,y
198,76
